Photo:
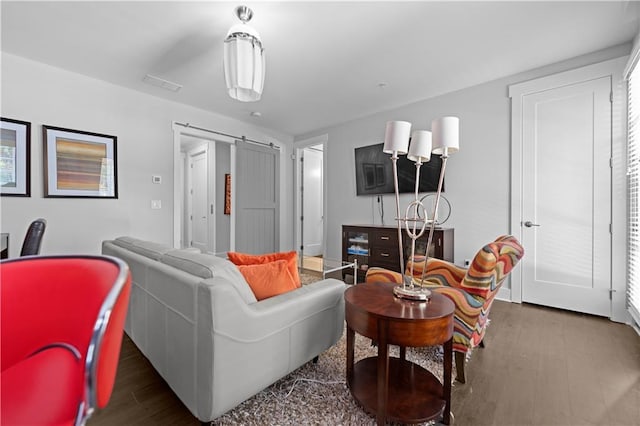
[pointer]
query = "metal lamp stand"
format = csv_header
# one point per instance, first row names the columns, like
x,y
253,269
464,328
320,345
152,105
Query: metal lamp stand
x,y
408,290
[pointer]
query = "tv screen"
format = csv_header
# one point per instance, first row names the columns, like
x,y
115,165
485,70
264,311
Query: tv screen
x,y
374,172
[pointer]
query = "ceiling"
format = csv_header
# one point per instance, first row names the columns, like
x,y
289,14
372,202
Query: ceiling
x,y
326,62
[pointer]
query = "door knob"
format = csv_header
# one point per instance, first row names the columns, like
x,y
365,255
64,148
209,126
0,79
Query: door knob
x,y
529,224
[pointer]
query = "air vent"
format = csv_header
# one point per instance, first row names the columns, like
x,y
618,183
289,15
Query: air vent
x,y
158,82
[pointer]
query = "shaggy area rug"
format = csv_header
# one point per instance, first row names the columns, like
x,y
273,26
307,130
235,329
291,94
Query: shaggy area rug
x,y
317,394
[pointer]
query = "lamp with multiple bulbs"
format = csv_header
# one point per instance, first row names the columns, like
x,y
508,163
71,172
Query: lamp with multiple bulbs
x,y
442,140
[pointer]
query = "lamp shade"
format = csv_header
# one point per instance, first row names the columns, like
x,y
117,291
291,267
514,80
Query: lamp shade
x,y
244,63
396,137
446,135
420,146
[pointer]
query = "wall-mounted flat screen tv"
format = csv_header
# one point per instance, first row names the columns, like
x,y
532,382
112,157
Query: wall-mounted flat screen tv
x,y
374,172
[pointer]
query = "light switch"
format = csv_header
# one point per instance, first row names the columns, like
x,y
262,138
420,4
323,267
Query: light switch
x,y
156,204
156,179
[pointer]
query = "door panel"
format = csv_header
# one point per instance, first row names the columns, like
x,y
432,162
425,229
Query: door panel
x,y
566,143
258,198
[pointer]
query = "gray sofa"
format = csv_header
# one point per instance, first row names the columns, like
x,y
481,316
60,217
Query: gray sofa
x,y
197,321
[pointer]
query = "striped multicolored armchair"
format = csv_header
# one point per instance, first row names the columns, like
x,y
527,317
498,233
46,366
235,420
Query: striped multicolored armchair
x,y
471,290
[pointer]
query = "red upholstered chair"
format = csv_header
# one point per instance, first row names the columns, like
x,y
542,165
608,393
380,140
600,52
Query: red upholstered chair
x,y
471,290
61,328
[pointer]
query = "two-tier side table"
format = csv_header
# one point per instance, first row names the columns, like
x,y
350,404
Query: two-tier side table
x,y
396,389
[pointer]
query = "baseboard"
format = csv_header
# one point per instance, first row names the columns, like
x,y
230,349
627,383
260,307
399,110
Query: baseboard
x,y
504,294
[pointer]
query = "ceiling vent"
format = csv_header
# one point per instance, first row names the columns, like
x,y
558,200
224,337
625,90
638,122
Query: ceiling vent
x,y
165,84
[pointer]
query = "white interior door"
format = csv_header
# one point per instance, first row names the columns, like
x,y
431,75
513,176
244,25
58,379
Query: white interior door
x,y
312,202
199,189
566,197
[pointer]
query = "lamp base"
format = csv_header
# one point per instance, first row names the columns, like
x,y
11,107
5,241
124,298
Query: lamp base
x,y
415,293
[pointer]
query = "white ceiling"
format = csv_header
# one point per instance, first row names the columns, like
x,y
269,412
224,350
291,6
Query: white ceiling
x,y
325,60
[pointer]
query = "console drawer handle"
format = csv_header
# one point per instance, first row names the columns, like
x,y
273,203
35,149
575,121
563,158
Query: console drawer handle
x,y
384,254
384,238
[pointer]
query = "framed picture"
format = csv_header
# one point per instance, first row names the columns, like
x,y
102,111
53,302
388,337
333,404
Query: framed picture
x,y
79,164
15,158
227,193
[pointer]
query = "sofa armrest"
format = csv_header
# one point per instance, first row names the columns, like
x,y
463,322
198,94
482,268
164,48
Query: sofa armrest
x,y
243,322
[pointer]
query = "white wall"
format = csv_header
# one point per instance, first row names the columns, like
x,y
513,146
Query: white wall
x,y
44,95
478,176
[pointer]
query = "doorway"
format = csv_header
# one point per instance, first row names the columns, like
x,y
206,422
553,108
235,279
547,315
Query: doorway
x,y
562,189
242,192
311,207
201,163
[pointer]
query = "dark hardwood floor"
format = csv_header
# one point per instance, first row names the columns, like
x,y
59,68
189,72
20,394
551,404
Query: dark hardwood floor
x,y
544,366
540,366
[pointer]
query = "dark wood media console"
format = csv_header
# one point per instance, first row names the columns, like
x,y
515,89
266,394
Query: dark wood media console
x,y
377,245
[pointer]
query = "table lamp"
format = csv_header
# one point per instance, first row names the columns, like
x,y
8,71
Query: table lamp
x,y
443,140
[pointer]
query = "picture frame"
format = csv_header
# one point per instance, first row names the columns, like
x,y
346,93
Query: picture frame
x,y
79,164
227,193
15,158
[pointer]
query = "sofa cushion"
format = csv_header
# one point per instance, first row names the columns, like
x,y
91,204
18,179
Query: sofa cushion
x,y
268,279
291,257
145,248
208,266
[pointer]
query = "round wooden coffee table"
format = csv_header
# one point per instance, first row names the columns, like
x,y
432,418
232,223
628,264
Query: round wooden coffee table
x,y
393,388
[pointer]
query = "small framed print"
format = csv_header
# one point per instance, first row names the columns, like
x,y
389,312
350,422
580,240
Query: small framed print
x,y
79,164
227,193
15,158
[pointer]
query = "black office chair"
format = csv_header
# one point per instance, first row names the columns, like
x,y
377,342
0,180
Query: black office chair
x,y
33,239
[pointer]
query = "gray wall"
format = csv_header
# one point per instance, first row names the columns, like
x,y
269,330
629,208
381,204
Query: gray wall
x,y
44,95
478,176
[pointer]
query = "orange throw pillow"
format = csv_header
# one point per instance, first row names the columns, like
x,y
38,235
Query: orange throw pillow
x,y
268,279
255,259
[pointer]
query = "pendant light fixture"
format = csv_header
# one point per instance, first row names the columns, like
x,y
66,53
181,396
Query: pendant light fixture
x,y
244,59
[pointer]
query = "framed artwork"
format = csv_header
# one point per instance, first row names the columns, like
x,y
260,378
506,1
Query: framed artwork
x,y
79,164
227,193
15,158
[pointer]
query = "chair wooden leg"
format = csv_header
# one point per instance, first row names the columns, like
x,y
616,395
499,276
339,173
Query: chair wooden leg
x,y
460,361
482,343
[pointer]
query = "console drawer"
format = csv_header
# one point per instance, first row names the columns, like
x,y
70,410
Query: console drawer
x,y
384,256
384,238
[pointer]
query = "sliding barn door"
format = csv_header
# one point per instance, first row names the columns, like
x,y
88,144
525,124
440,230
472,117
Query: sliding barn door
x,y
257,198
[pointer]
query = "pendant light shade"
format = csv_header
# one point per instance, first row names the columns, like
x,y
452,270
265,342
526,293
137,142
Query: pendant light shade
x,y
244,59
